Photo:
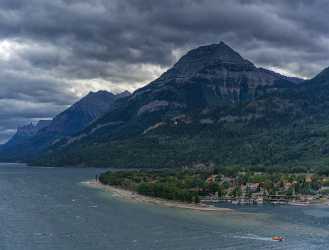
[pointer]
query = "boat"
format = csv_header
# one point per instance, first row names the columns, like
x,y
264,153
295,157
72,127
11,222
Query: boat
x,y
303,204
277,238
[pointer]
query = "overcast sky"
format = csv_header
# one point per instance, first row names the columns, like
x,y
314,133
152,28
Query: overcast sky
x,y
54,51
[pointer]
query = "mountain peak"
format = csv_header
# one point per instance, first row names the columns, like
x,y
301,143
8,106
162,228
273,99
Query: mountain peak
x,y
321,78
215,52
27,131
98,93
122,94
325,72
219,55
81,113
105,93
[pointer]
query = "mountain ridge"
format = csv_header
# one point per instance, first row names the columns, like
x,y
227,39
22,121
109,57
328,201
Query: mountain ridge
x,y
217,108
212,108
25,132
66,123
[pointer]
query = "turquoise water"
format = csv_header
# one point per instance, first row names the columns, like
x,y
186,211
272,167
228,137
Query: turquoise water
x,y
47,208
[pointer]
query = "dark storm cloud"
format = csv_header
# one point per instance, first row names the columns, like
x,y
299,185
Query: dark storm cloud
x,y
138,31
53,51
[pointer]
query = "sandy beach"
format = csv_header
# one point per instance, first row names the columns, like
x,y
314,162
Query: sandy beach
x,y
132,196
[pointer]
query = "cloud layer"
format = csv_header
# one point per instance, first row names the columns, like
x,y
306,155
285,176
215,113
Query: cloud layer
x,y
53,52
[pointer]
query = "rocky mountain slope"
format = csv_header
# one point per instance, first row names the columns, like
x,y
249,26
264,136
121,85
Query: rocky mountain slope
x,y
26,132
213,107
82,113
31,140
202,80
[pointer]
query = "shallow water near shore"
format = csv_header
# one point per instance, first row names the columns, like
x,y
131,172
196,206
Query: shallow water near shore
x,y
48,208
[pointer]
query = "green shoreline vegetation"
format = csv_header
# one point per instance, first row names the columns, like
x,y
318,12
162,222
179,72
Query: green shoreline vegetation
x,y
235,183
160,184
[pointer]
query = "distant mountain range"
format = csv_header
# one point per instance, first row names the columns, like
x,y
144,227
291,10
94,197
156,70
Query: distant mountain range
x,y
33,139
25,133
213,107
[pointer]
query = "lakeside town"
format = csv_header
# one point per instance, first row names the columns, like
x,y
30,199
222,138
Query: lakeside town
x,y
232,185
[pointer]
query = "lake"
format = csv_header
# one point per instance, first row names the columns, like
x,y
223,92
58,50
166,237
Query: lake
x,y
48,209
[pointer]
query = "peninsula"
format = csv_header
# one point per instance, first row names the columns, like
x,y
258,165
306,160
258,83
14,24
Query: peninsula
x,y
201,187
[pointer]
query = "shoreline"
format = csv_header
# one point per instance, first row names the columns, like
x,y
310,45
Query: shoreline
x,y
134,197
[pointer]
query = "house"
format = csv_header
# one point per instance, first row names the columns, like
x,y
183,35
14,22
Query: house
x,y
212,178
253,187
308,178
288,185
227,179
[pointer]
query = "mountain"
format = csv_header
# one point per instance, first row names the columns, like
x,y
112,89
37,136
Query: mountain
x,y
205,78
321,78
82,113
219,74
26,132
288,78
31,139
213,107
